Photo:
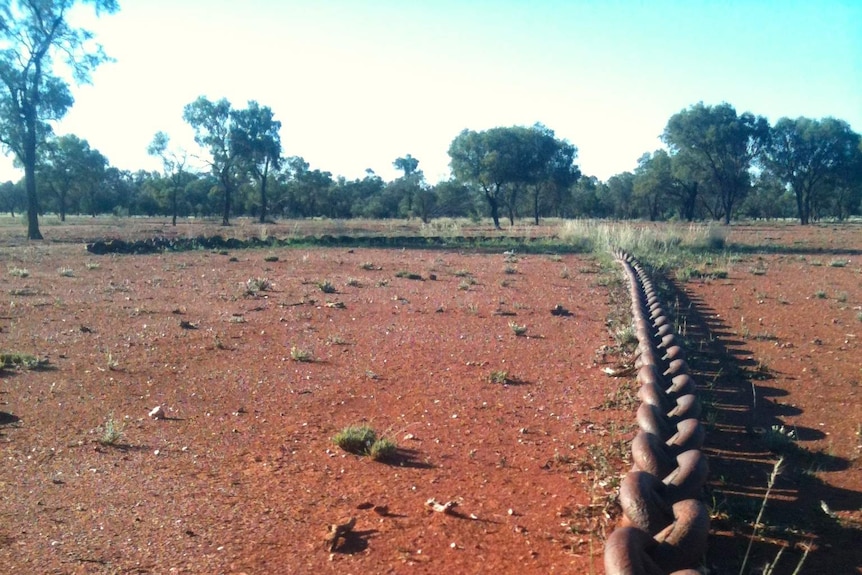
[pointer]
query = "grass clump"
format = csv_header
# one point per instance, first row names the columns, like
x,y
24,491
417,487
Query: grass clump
x,y
517,329
499,376
301,355
112,432
326,286
363,440
22,360
255,285
383,449
19,272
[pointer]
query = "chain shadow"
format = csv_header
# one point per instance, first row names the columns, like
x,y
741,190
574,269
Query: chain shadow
x,y
746,435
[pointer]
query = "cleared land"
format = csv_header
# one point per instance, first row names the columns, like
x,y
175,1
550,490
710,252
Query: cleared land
x,y
259,357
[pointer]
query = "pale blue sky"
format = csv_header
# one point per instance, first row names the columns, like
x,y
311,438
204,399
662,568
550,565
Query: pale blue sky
x,y
358,83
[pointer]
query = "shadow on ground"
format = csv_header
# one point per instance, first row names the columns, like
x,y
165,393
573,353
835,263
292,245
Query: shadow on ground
x,y
745,439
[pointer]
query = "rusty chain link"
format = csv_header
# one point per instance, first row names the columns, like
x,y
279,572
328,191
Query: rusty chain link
x,y
665,525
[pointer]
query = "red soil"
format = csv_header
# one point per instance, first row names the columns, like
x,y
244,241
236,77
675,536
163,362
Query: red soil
x,y
243,476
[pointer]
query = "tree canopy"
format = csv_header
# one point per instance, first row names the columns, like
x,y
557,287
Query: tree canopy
x,y
502,162
32,35
722,146
812,156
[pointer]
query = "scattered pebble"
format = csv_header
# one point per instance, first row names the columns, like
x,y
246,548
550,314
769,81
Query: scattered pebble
x,y
157,412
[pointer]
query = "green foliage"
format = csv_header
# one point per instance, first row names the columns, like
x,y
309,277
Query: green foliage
x,y
36,37
112,432
383,449
499,376
363,440
255,285
23,360
19,272
355,439
517,329
815,159
326,286
301,355
719,146
502,162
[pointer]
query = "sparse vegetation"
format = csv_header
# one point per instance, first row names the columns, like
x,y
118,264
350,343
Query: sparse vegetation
x,y
19,272
326,286
499,376
255,285
363,440
20,360
383,449
301,355
517,328
112,432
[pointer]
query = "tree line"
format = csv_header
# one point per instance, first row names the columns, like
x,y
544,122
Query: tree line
x,y
716,164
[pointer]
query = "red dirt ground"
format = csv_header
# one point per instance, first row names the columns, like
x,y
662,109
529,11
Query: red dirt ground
x,y
243,477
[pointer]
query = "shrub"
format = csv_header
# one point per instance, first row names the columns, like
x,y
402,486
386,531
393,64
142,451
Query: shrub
x,y
382,449
255,285
112,432
356,439
302,355
517,329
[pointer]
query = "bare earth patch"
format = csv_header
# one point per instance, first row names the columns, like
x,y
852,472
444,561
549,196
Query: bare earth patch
x,y
521,438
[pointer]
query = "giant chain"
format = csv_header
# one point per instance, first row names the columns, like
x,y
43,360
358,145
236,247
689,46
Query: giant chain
x,y
665,525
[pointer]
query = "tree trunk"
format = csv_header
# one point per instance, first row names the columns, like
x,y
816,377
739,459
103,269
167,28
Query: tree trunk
x,y
174,207
536,207
29,162
263,199
226,214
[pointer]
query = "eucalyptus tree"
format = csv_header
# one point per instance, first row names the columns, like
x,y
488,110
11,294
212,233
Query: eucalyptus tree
x,y
255,137
33,34
653,181
723,146
72,171
502,162
813,158
211,122
174,162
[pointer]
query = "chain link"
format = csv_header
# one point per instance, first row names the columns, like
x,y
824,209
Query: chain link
x,y
665,525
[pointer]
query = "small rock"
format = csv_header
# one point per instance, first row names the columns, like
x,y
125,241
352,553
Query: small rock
x,y
157,412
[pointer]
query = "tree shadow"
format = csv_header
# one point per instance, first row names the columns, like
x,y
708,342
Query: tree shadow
x,y
746,435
